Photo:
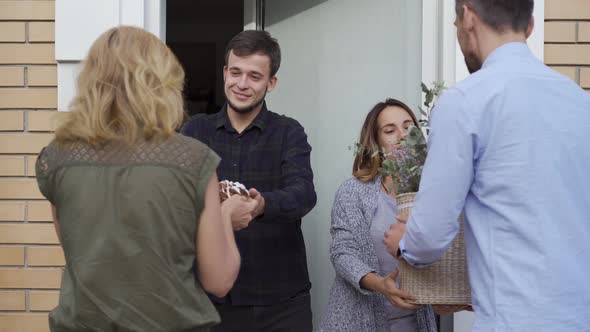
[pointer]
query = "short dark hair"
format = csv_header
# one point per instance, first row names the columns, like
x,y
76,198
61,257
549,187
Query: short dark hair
x,y
500,14
249,42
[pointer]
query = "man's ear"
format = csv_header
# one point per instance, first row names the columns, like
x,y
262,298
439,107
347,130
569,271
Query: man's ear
x,y
272,83
469,18
224,72
531,27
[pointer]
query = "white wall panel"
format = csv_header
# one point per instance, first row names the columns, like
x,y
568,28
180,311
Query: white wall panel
x,y
79,22
132,12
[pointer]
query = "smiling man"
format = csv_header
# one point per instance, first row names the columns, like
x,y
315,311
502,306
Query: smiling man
x,y
268,153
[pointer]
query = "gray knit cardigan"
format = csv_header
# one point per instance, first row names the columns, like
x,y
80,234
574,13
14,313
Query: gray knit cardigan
x,y
351,308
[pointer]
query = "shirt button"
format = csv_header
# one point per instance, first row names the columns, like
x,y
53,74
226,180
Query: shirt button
x,y
235,165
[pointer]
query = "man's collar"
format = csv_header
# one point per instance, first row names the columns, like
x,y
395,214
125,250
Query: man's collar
x,y
508,50
222,118
259,121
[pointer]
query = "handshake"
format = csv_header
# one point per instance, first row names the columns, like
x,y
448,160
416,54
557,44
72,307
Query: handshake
x,y
241,204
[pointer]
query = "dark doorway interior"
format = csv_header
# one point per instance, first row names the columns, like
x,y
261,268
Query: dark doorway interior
x,y
197,32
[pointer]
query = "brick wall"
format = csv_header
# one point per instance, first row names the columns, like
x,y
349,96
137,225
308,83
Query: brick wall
x,y
567,38
30,259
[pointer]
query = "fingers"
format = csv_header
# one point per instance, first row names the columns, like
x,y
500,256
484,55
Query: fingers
x,y
404,295
402,218
242,211
241,202
400,302
393,275
390,242
245,203
243,222
252,203
252,207
403,304
389,246
395,295
389,233
399,227
393,236
238,226
394,290
253,192
232,198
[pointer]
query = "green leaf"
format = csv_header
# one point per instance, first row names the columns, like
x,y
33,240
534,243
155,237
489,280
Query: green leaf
x,y
424,88
429,98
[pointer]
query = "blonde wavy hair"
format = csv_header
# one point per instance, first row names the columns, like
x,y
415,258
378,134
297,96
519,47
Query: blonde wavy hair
x,y
129,90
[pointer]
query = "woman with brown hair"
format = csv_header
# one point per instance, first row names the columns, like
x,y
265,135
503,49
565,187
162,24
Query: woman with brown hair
x,y
364,296
133,201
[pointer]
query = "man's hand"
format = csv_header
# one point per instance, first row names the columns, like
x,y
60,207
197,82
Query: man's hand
x,y
402,219
394,235
256,195
394,295
240,210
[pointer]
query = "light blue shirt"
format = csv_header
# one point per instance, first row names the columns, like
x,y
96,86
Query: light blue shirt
x,y
511,146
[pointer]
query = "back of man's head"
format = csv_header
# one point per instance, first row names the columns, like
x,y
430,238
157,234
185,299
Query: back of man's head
x,y
500,14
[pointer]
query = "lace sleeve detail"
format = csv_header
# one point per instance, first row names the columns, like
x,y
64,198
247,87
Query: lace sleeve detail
x,y
180,152
43,168
210,161
205,162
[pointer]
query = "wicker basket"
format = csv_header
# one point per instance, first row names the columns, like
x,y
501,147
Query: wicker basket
x,y
444,282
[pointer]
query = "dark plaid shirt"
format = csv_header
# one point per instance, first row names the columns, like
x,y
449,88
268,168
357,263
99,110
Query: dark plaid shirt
x,y
271,155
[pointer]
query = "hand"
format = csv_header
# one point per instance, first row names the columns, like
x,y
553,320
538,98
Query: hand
x,y
240,210
256,195
395,295
393,236
444,309
402,218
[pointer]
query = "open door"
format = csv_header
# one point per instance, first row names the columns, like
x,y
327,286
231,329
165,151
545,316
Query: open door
x,y
197,31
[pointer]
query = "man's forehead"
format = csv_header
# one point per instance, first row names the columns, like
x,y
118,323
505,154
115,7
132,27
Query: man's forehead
x,y
255,58
255,63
